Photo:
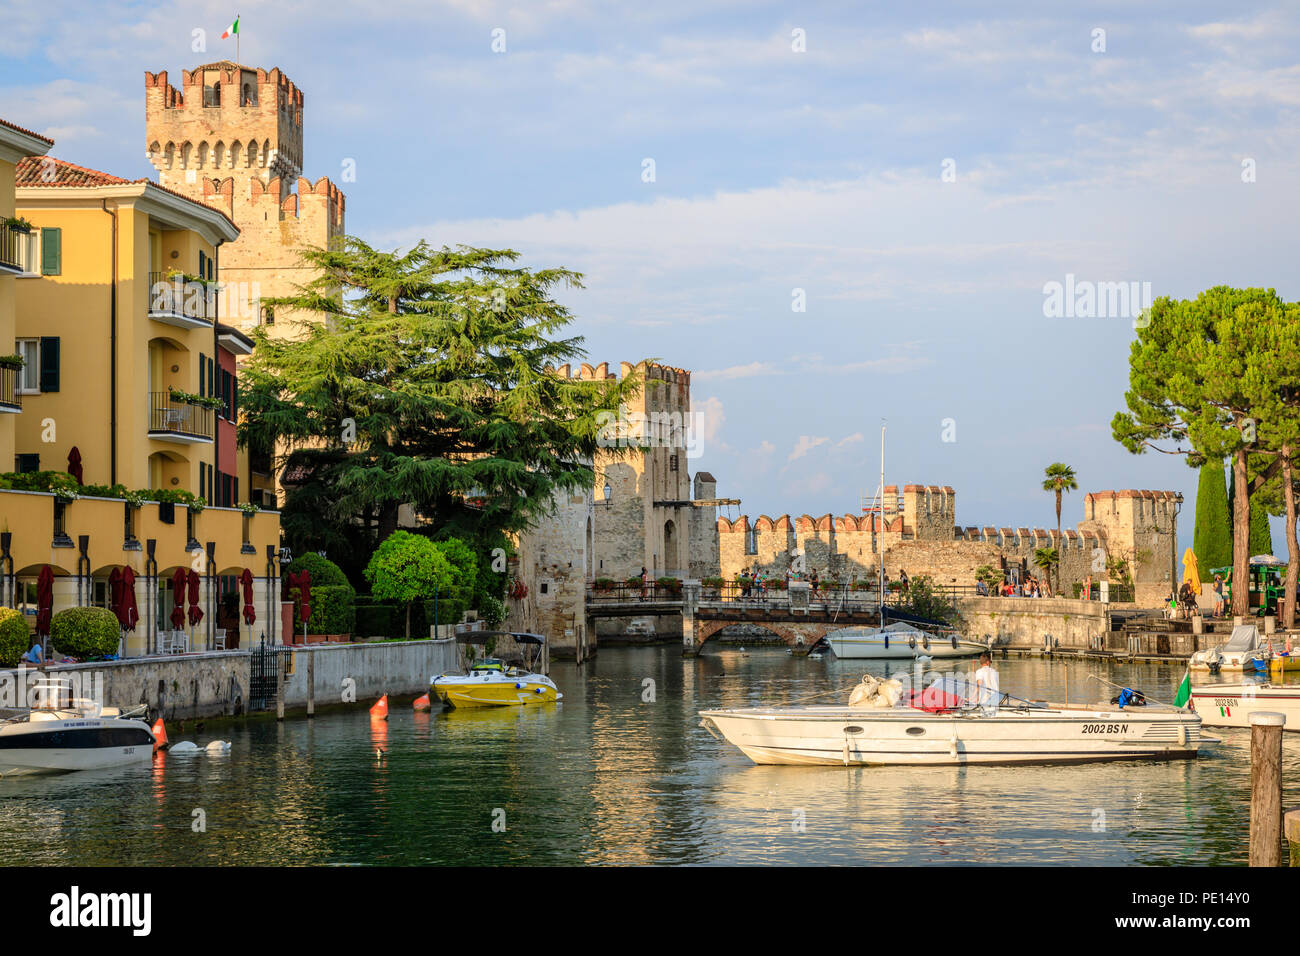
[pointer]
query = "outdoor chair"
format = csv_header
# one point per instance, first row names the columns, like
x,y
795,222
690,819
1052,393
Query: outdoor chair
x,y
219,640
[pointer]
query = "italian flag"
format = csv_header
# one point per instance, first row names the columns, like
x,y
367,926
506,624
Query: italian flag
x,y
231,30
1184,690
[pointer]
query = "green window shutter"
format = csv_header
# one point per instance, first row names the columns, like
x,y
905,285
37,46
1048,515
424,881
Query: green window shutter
x,y
203,375
49,363
51,251
203,265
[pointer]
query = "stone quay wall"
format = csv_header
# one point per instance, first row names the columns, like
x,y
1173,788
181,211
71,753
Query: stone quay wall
x,y
215,684
1022,623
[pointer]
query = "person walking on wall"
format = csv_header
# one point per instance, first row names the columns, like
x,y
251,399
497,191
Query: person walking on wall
x,y
645,582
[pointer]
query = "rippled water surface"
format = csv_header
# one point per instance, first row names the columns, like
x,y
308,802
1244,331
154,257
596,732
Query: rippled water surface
x,y
608,778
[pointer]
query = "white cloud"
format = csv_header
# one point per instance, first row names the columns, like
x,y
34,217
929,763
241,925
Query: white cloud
x,y
805,444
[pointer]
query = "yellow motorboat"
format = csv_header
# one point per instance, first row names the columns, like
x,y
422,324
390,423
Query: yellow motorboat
x,y
1284,664
493,683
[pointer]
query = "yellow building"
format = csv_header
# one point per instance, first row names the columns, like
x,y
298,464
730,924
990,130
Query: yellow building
x,y
128,379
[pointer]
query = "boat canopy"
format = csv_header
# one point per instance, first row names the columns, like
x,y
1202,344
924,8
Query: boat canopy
x,y
1245,637
482,637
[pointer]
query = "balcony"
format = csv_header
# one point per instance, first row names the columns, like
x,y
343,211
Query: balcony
x,y
10,399
179,422
17,251
186,305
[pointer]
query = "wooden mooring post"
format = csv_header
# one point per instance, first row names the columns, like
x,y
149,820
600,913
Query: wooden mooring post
x,y
311,685
279,686
1266,788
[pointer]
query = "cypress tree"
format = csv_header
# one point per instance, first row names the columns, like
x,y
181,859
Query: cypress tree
x,y
1261,536
1212,537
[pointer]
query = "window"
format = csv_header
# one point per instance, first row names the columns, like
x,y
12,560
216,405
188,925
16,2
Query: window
x,y
29,380
49,366
51,251
268,315
27,463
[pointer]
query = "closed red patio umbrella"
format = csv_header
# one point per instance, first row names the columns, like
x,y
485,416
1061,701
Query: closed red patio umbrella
x,y
130,615
44,600
250,612
115,594
178,598
302,581
196,612
74,464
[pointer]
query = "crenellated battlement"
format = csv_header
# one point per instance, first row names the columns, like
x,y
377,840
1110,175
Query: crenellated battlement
x,y
649,370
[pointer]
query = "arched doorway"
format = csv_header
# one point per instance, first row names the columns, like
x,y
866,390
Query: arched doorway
x,y
671,564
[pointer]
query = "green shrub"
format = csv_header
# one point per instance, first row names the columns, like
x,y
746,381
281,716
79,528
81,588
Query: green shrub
x,y
606,584
333,610
14,636
85,632
492,611
672,585
324,572
375,620
634,581
713,582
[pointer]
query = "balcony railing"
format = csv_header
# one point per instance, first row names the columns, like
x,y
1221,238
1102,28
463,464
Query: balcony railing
x,y
17,250
10,400
170,420
177,302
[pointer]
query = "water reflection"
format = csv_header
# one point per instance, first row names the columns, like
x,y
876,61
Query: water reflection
x,y
608,776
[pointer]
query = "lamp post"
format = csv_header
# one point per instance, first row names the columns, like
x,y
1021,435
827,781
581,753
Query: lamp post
x,y
1173,546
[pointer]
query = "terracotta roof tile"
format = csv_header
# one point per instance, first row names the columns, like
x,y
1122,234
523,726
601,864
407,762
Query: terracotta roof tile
x,y
15,126
30,171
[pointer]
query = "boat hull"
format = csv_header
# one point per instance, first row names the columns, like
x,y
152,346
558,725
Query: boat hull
x,y
1230,705
61,746
874,649
519,691
841,736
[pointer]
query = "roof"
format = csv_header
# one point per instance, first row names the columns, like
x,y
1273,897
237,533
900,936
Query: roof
x,y
32,171
26,132
225,65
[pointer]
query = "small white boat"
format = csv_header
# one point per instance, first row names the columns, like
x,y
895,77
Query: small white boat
x,y
1230,705
62,733
1241,652
899,641
942,727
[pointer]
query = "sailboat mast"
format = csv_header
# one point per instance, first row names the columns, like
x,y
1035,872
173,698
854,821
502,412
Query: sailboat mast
x,y
880,546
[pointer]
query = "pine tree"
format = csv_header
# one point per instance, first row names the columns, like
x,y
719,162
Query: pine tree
x,y
1212,537
430,384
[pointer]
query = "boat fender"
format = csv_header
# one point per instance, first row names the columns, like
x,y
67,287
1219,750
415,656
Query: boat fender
x,y
925,642
518,686
537,690
846,751
911,642
886,642
954,642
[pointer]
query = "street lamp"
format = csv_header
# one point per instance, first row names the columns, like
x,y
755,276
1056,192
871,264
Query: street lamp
x,y
608,493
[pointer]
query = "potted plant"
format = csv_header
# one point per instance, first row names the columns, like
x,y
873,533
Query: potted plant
x,y
14,362
18,224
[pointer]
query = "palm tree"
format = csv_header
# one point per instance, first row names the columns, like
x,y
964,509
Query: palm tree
x,y
1046,559
1059,477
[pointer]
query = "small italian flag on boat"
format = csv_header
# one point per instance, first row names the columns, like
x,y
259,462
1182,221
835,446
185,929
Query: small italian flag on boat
x,y
232,30
1184,690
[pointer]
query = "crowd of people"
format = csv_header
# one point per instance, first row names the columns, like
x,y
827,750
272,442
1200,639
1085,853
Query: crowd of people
x,y
1028,586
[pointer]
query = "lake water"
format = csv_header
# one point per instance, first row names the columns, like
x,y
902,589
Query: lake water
x,y
606,777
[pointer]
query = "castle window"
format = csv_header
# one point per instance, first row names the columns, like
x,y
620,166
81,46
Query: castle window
x,y
249,96
212,95
268,315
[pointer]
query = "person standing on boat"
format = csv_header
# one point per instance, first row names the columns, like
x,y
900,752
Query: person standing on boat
x,y
987,690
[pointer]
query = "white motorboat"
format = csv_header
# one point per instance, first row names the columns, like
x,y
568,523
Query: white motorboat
x,y
899,641
1240,653
1230,705
941,726
62,733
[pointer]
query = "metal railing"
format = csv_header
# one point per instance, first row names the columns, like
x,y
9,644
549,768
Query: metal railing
x,y
178,418
9,397
627,593
172,295
16,248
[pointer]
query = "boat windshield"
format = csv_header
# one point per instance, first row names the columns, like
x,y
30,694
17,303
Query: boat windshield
x,y
490,664
952,692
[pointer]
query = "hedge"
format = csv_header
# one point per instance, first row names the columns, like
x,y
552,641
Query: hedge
x,y
14,636
324,572
85,632
332,610
376,620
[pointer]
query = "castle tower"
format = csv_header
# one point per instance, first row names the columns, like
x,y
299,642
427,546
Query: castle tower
x,y
231,138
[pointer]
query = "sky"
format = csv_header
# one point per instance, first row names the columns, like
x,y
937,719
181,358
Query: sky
x,y
836,215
